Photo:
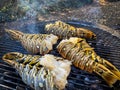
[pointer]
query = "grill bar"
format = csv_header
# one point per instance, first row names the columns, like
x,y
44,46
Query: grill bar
x,y
3,87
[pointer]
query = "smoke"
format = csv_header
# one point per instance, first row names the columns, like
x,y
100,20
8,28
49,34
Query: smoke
x,y
29,10
33,9
29,7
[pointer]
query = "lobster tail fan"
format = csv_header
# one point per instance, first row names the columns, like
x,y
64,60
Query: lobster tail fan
x,y
11,58
14,34
106,74
86,33
112,68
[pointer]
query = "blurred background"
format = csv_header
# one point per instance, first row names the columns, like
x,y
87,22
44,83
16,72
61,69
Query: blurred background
x,y
16,13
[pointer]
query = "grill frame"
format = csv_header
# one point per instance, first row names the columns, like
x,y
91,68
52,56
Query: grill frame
x,y
106,45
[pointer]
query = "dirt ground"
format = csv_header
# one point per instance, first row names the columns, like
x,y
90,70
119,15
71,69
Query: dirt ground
x,y
108,14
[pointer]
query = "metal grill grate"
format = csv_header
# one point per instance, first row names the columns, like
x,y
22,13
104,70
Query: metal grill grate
x,y
107,46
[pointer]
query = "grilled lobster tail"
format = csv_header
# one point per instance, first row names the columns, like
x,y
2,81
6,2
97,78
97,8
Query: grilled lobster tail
x,y
84,57
40,72
34,43
64,30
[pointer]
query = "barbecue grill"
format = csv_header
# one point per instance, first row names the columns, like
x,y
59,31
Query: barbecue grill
x,y
106,45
